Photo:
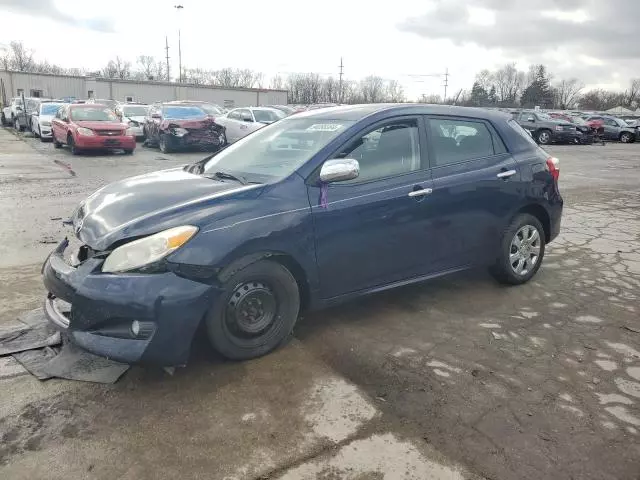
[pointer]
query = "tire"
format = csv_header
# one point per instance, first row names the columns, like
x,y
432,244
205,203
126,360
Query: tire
x,y
17,125
3,119
265,289
164,144
626,137
128,151
72,146
505,268
543,137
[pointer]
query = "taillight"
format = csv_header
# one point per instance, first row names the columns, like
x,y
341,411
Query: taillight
x,y
553,166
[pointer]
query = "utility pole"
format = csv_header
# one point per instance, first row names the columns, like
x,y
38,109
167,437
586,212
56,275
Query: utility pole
x,y
340,85
179,7
166,47
446,84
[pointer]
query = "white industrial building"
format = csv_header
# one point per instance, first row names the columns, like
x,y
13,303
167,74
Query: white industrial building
x,y
62,86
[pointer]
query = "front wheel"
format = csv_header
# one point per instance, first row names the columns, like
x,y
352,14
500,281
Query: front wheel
x,y
128,151
543,137
626,137
72,146
256,311
165,143
521,251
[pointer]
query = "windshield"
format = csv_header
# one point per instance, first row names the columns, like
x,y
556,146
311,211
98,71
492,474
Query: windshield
x,y
93,114
211,109
267,115
49,108
276,151
181,113
544,116
134,111
578,120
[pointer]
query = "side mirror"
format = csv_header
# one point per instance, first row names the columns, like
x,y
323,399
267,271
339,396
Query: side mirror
x,y
247,119
531,119
19,108
156,115
340,169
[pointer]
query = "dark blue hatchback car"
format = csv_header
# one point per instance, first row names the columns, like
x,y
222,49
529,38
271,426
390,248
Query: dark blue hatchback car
x,y
312,210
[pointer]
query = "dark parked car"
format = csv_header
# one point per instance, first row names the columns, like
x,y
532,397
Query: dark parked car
x,y
179,126
546,130
615,128
587,129
309,211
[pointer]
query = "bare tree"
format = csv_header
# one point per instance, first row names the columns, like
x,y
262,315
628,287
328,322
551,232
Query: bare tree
x,y
394,92
567,92
509,83
372,89
432,98
159,71
632,95
21,57
110,70
147,65
276,82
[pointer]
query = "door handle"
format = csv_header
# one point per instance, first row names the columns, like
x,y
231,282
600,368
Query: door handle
x,y
420,193
506,174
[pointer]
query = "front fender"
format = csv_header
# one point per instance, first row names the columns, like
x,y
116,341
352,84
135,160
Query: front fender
x,y
279,223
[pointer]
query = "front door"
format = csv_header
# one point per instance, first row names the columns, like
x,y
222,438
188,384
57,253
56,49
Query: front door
x,y
370,231
476,184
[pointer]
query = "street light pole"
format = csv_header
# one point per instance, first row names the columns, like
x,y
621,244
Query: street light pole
x,y
179,7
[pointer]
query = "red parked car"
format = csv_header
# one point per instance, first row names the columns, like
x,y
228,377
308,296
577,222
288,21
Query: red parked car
x,y
90,127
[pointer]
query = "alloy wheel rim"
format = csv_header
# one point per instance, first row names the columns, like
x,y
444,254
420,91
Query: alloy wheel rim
x,y
524,251
544,137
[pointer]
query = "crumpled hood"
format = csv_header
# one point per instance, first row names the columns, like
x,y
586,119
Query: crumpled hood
x,y
150,203
192,123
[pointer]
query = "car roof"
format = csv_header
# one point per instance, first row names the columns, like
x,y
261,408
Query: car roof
x,y
178,104
358,112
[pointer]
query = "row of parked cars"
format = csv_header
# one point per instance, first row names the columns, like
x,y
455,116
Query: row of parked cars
x,y
107,124
562,127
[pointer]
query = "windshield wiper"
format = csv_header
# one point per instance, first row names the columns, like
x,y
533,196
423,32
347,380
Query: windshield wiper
x,y
228,176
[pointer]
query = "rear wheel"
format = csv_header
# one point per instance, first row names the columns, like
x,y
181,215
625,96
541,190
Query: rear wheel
x,y
256,311
521,251
543,137
3,119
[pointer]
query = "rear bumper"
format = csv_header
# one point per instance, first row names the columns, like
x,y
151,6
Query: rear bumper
x,y
104,306
101,142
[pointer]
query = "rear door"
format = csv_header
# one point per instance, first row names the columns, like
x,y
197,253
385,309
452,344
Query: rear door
x,y
611,129
475,186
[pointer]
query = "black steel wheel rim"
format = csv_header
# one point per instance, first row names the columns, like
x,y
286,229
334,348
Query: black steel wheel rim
x,y
251,309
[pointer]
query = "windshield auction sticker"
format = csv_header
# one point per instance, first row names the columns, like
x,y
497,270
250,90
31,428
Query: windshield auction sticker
x,y
325,127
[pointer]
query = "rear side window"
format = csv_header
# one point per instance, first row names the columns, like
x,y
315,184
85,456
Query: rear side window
x,y
522,132
457,140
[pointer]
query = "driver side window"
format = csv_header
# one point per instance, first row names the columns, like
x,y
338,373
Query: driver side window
x,y
387,151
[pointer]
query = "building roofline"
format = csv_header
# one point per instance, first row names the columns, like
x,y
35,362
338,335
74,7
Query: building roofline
x,y
148,82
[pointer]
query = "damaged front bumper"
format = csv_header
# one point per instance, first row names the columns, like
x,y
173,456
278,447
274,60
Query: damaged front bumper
x,y
128,317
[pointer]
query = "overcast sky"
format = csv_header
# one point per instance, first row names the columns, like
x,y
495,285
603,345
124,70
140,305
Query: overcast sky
x,y
595,40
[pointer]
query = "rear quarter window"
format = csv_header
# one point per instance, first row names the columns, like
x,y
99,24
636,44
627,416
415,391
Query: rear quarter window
x,y
522,132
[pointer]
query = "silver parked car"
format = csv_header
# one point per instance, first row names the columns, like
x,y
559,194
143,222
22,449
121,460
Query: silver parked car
x,y
240,122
